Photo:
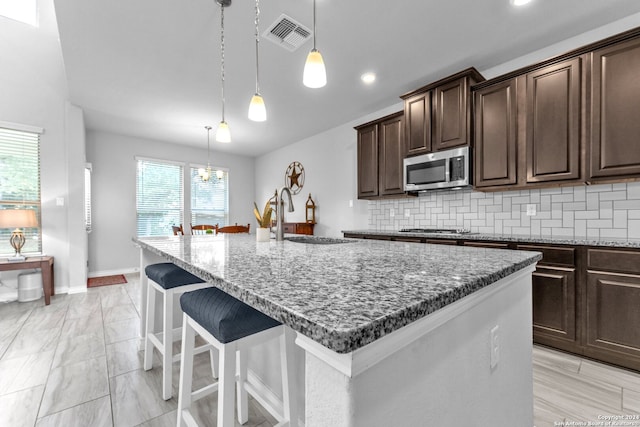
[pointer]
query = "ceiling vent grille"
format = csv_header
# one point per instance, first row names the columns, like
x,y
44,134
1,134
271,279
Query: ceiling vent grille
x,y
287,32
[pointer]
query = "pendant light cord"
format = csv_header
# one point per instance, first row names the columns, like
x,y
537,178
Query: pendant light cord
x,y
314,24
257,20
222,54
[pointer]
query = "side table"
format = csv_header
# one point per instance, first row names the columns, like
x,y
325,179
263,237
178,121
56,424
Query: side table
x,y
44,263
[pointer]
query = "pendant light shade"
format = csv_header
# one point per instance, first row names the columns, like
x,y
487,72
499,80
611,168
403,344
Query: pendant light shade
x,y
223,134
315,74
257,109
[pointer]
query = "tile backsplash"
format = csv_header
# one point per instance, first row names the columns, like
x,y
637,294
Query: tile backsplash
x,y
595,211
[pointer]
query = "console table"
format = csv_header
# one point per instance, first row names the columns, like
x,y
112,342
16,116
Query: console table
x,y
44,263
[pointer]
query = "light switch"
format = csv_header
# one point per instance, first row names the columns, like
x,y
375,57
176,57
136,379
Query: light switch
x,y
531,210
59,201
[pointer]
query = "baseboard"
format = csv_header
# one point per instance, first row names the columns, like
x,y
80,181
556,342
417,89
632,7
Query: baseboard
x,y
268,395
113,272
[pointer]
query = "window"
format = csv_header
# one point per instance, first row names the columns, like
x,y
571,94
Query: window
x,y
209,200
20,182
159,197
87,197
20,10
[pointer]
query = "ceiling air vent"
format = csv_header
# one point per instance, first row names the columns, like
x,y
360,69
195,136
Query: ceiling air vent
x,y
288,33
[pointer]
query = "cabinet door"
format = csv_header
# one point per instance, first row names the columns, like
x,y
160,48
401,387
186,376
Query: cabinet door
x,y
368,161
451,115
495,135
615,103
554,305
391,150
417,113
612,332
553,122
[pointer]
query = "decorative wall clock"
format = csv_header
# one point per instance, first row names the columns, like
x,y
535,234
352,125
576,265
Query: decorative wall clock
x,y
294,177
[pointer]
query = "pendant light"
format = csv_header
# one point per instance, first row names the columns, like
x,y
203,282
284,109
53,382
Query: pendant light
x,y
223,134
205,174
257,110
314,75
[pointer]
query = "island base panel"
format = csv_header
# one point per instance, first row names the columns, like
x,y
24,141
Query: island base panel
x,y
443,379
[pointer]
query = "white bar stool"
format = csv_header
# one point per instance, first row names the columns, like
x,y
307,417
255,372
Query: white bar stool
x,y
169,280
232,327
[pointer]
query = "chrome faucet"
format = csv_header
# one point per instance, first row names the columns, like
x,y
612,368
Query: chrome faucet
x,y
280,212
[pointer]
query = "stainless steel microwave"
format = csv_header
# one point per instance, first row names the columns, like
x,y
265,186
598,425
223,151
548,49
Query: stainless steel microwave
x,y
436,171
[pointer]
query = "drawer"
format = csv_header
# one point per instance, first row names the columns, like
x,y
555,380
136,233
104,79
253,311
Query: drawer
x,y
487,244
441,242
553,255
289,228
614,260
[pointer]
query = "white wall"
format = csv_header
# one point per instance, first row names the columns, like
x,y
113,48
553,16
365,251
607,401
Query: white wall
x,y
330,162
34,92
114,190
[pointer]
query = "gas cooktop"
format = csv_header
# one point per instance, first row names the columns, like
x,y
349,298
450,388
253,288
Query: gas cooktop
x,y
436,230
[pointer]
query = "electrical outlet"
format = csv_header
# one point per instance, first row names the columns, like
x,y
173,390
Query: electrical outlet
x,y
407,213
350,203
531,210
392,213
495,347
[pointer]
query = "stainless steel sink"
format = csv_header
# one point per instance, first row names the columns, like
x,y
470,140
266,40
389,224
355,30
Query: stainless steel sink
x,y
317,240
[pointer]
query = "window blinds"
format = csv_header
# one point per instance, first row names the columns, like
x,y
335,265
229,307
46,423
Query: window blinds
x,y
209,200
159,197
20,183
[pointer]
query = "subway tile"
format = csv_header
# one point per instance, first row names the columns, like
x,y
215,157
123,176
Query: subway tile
x,y
620,219
574,206
551,223
568,219
593,201
587,215
599,223
621,186
633,213
580,227
545,203
606,213
579,194
559,198
598,188
633,190
613,233
613,195
633,231
562,232
593,233
547,191
626,204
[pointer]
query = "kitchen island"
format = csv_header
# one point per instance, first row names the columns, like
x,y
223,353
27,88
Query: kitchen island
x,y
392,333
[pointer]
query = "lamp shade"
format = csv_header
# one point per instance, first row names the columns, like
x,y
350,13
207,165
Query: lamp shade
x,y
18,218
257,109
314,75
223,134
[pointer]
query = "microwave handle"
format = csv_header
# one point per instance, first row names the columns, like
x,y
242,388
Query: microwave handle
x,y
447,170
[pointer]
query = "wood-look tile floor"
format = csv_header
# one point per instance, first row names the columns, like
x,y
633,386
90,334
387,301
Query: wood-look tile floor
x,y
77,362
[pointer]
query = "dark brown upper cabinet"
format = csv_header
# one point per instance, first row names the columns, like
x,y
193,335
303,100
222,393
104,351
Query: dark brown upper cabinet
x,y
615,106
438,116
495,152
553,122
417,110
527,128
380,154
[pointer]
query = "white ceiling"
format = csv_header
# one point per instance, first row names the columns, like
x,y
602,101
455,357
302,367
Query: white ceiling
x,y
151,68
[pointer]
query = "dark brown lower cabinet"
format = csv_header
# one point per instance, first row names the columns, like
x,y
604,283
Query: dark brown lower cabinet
x,y
555,297
298,228
586,300
612,330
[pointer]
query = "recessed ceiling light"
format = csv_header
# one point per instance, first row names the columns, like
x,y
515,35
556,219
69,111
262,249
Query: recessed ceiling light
x,y
368,78
520,2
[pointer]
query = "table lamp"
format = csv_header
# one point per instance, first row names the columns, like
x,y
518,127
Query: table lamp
x,y
17,219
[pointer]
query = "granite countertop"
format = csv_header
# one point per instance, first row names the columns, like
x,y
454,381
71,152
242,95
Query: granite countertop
x,y
582,241
344,295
